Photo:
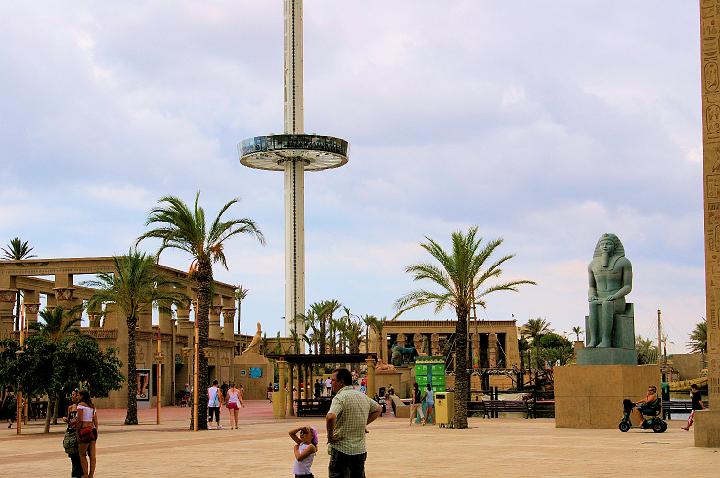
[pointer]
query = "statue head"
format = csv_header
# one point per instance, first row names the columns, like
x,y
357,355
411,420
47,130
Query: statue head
x,y
608,249
259,327
609,244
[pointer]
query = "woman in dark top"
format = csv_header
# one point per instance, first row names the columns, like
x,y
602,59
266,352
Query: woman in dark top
x,y
697,404
416,405
72,448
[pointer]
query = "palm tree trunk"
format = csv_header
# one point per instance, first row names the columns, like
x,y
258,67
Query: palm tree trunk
x,y
323,332
204,294
48,415
131,417
461,375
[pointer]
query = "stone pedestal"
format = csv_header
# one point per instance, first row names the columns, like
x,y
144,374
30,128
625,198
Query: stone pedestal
x,y
606,356
590,396
707,428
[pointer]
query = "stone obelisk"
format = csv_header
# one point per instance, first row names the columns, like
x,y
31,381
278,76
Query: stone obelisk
x,y
294,170
707,422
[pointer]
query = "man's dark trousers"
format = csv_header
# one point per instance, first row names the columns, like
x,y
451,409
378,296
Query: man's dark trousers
x,y
346,466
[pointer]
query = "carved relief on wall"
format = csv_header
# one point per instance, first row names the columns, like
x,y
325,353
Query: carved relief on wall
x,y
711,76
215,310
435,344
401,340
225,359
712,119
7,295
140,354
64,293
417,340
32,308
712,186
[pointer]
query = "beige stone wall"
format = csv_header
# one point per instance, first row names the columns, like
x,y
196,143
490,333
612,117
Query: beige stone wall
x,y
688,366
590,396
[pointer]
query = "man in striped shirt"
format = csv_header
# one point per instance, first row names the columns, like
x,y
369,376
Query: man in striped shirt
x,y
350,411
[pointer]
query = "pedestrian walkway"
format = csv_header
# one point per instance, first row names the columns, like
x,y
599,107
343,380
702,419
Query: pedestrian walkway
x,y
261,448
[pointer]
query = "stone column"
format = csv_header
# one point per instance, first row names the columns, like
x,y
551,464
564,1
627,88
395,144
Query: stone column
x,y
291,384
370,392
51,301
707,422
229,323
492,350
165,320
145,319
32,306
282,408
184,326
214,318
7,317
476,351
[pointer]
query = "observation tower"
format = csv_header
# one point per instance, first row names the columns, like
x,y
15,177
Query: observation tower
x,y
293,153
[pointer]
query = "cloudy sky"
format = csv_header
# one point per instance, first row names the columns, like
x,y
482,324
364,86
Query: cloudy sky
x,y
545,123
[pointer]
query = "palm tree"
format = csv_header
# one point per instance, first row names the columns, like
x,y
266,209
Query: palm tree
x,y
647,351
577,331
698,338
534,329
134,287
180,227
240,295
369,321
462,281
379,325
57,324
17,250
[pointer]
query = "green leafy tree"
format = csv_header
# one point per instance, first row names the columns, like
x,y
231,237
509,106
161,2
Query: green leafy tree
x,y
134,286
698,338
534,329
463,279
17,250
180,227
647,351
555,348
577,331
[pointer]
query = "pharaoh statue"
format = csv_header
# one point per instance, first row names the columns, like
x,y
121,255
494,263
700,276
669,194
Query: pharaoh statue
x,y
610,280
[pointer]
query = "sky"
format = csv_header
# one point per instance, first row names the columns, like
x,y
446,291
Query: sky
x,y
545,123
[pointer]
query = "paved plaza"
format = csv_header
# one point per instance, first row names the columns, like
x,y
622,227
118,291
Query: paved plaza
x,y
261,448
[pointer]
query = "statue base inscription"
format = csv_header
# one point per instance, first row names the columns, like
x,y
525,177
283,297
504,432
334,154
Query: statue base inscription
x,y
590,396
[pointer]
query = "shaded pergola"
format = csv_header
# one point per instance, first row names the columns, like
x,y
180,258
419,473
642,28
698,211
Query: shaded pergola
x,y
300,366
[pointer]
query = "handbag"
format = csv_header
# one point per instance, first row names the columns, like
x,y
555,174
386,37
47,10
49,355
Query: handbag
x,y
70,442
86,434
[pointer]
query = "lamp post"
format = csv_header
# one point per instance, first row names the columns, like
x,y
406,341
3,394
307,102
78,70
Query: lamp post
x,y
158,371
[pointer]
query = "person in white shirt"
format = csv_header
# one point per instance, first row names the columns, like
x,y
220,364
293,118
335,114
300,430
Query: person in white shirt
x,y
214,402
304,450
328,386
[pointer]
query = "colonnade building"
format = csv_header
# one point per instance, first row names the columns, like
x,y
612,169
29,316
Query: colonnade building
x,y
48,283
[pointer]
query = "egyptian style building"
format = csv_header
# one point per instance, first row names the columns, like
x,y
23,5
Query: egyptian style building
x,y
55,282
494,343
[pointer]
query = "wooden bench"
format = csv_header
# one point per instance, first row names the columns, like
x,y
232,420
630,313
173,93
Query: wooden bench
x,y
678,406
312,407
541,408
491,408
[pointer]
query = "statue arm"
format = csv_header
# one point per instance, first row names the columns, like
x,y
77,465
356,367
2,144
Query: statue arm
x,y
627,281
592,289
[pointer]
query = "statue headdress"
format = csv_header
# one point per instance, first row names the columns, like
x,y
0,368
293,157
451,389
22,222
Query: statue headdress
x,y
619,250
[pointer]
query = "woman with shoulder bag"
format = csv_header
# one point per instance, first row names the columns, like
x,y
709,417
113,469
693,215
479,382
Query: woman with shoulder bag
x,y
87,433
234,402
70,441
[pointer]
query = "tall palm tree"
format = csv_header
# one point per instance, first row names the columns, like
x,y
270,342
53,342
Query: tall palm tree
x,y
369,321
698,337
57,324
240,294
180,227
577,330
534,329
379,326
17,250
134,287
462,280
